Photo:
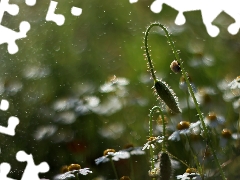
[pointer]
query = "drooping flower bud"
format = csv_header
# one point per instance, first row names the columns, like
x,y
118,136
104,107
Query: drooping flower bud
x,y
165,166
167,95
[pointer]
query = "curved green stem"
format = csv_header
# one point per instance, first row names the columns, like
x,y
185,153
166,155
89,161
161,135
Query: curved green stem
x,y
114,169
184,73
164,148
148,54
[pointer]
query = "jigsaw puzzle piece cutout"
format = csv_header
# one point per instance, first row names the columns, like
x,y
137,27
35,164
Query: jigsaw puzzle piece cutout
x,y
208,16
180,19
76,11
12,123
30,2
4,105
31,171
232,9
4,170
12,9
156,6
133,1
209,10
51,16
9,36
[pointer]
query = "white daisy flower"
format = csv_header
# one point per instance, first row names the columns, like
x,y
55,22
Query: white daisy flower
x,y
227,135
153,173
236,105
73,170
235,84
112,154
115,84
86,105
185,127
203,95
185,176
212,120
183,84
134,150
152,141
191,173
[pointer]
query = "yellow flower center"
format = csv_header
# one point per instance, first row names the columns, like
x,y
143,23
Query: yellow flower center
x,y
151,139
238,79
74,167
191,170
107,151
183,125
212,116
226,133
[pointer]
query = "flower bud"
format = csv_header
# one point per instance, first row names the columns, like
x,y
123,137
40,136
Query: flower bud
x,y
167,95
165,166
175,67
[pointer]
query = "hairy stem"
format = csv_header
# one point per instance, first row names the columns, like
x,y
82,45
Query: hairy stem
x,y
163,124
184,73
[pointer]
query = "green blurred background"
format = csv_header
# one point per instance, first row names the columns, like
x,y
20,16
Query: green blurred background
x,y
54,82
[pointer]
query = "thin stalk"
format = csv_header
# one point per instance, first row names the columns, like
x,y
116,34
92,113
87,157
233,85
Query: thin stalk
x,y
114,169
184,73
238,128
77,176
150,135
151,157
174,157
188,105
163,124
132,170
199,168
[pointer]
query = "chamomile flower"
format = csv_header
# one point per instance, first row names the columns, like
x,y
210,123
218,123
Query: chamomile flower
x,y
134,150
152,141
125,178
201,60
185,127
227,135
197,142
236,105
183,84
153,173
115,84
112,154
235,84
191,173
204,94
71,171
212,120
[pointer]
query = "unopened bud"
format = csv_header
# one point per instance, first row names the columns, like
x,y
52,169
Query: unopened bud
x,y
175,67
